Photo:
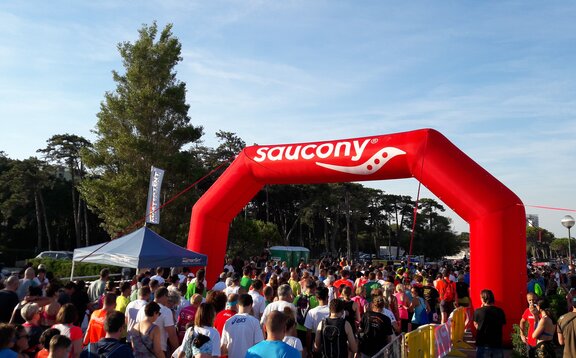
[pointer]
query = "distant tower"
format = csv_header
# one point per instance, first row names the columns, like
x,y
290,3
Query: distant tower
x,y
532,220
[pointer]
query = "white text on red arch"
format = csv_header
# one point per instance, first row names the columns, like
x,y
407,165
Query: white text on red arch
x,y
354,149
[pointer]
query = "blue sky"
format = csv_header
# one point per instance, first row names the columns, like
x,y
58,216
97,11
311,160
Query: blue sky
x,y
497,78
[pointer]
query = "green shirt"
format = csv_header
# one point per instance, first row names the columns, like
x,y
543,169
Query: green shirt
x,y
246,282
191,291
313,302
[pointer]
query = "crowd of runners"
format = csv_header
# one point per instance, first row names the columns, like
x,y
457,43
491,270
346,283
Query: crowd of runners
x,y
262,308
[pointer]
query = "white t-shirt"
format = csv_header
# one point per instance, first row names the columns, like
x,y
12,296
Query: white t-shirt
x,y
231,289
277,306
389,314
219,286
258,305
241,332
229,267
163,321
315,316
132,310
293,342
158,278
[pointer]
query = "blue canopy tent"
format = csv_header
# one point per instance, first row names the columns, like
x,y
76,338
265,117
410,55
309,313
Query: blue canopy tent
x,y
139,249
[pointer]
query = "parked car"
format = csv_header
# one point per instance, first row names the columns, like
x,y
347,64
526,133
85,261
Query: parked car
x,y
60,255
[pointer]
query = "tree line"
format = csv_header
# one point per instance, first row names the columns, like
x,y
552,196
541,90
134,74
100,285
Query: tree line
x,y
77,192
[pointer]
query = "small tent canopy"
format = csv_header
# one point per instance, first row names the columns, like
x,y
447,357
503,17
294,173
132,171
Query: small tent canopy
x,y
142,248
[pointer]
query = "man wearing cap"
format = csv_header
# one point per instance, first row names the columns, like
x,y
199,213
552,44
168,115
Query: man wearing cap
x,y
221,284
223,316
567,331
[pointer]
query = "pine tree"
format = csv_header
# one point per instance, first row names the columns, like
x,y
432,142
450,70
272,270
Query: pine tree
x,y
143,123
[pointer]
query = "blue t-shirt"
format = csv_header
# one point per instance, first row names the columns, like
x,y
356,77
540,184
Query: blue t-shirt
x,y
8,353
272,349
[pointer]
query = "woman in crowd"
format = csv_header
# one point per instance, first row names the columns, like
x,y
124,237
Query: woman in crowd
x,y
31,314
360,299
419,307
273,282
544,332
65,324
50,310
202,339
403,305
390,300
187,314
145,335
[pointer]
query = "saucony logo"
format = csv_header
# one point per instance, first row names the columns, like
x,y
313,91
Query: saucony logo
x,y
310,151
370,166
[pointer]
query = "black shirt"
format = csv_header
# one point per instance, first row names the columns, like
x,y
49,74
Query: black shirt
x,y
490,321
431,296
8,300
462,289
375,327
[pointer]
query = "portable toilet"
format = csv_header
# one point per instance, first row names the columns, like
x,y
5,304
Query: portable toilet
x,y
281,253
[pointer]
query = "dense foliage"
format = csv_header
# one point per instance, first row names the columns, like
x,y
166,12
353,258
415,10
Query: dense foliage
x,y
62,268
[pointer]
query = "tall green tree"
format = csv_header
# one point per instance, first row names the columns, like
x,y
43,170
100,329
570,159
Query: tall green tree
x,y
143,123
64,150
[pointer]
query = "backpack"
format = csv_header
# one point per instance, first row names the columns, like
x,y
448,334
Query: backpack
x,y
449,292
334,340
195,343
373,330
302,308
100,352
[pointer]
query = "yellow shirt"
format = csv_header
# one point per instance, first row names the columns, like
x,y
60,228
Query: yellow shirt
x,y
121,303
295,286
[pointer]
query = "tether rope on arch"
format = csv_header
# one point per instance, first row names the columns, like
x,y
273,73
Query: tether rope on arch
x,y
140,221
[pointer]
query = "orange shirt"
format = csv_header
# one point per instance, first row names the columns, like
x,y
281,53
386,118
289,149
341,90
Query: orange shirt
x,y
42,353
342,282
442,286
95,330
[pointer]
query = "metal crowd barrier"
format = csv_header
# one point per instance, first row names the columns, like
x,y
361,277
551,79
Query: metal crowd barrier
x,y
393,349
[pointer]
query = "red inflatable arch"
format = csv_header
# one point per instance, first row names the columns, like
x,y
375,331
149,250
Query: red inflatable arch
x,y
495,214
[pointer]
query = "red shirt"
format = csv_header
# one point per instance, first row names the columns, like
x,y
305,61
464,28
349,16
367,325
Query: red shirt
x,y
221,318
442,285
340,282
529,317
